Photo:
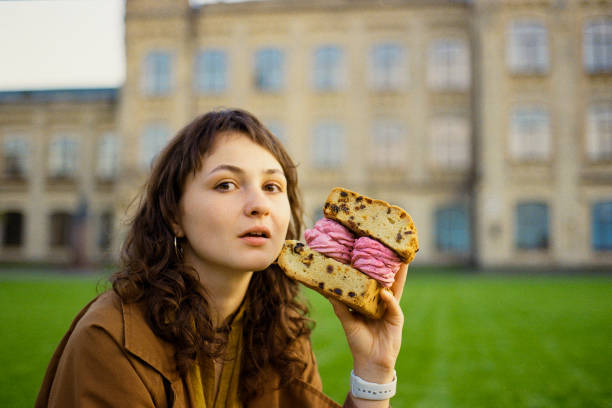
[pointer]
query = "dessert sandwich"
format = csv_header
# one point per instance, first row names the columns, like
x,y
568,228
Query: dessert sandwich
x,y
353,252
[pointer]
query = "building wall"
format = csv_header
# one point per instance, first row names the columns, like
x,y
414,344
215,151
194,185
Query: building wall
x,y
242,29
486,189
565,90
39,117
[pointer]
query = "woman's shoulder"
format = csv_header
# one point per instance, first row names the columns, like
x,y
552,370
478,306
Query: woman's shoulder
x,y
103,312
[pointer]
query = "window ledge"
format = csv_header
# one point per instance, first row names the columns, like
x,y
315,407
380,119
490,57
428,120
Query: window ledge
x,y
105,183
61,183
599,72
529,73
8,183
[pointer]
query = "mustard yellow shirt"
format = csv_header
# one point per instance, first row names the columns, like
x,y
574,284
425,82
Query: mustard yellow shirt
x,y
202,375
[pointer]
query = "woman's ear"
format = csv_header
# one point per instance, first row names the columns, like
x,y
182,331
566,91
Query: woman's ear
x,y
177,229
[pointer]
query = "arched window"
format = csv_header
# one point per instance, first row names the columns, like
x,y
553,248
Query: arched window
x,y
269,69
530,137
211,71
597,45
12,229
157,73
388,144
599,132
154,139
63,156
450,143
449,65
528,48
602,226
328,68
61,229
15,156
453,229
328,145
387,67
108,157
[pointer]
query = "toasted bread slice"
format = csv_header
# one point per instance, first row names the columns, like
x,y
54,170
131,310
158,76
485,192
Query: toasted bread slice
x,y
332,278
376,219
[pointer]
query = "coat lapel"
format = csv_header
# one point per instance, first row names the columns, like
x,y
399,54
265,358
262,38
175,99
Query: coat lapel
x,y
143,343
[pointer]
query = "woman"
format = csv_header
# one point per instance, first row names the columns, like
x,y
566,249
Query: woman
x,y
199,314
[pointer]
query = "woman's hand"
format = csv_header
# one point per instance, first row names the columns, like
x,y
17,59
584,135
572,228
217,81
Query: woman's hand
x,y
375,344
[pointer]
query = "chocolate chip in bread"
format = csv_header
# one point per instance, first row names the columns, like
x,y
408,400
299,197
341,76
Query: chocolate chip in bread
x,y
332,278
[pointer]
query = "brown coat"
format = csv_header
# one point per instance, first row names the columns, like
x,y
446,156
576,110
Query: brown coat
x,y
110,357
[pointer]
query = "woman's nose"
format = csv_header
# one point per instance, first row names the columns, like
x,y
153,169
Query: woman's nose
x,y
257,204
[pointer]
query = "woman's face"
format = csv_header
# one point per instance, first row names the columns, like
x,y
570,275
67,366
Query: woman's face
x,y
234,212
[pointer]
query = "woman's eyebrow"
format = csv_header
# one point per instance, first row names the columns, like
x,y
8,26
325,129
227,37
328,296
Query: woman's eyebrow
x,y
238,170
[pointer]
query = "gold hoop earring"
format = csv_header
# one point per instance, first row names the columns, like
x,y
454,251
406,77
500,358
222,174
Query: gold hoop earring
x,y
177,249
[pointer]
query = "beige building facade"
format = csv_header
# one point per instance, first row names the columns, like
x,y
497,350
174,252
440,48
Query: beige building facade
x,y
490,122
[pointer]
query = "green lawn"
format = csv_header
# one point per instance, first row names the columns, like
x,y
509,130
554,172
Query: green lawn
x,y
469,340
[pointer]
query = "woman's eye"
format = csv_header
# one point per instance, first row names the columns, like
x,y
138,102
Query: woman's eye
x,y
225,186
273,188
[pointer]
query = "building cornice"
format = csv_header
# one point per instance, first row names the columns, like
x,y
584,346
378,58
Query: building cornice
x,y
321,5
60,95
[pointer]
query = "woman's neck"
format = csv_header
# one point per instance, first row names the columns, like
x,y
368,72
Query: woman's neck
x,y
225,289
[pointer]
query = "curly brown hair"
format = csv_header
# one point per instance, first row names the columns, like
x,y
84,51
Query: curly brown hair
x,y
176,303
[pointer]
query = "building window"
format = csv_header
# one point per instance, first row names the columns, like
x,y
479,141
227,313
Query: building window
x,y
450,144
106,230
328,68
388,148
154,139
63,155
530,134
269,69
211,71
453,229
15,156
328,146
527,48
449,65
12,232
386,67
532,226
599,132
108,157
157,73
61,229
602,226
598,45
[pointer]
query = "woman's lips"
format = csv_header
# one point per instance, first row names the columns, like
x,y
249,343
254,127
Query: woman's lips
x,y
253,240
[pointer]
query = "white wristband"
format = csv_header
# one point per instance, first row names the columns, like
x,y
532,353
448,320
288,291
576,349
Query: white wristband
x,y
363,389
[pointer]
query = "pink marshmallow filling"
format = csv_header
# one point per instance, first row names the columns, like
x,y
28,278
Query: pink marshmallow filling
x,y
366,254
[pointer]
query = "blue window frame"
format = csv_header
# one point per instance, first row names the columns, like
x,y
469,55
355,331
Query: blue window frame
x,y
453,230
63,156
269,69
211,71
157,73
15,156
528,47
532,226
597,45
328,68
386,66
328,145
602,226
154,139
